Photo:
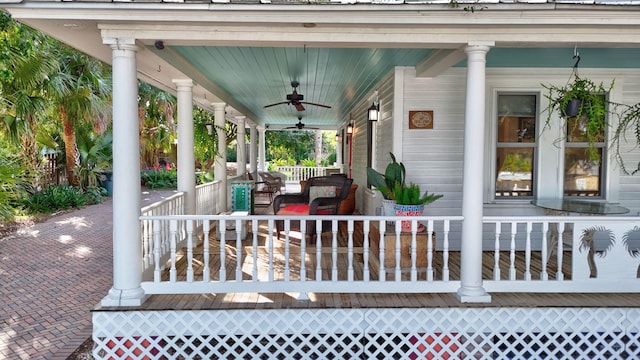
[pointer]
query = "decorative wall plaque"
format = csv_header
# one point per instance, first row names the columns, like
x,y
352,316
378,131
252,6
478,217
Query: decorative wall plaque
x,y
421,119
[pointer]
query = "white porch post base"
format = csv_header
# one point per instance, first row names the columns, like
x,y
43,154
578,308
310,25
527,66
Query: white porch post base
x,y
473,295
128,297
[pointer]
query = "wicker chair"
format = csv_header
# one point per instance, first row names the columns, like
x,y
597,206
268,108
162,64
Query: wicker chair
x,y
321,195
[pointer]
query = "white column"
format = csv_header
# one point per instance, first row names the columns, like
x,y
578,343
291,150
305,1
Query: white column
x,y
241,158
220,166
261,150
471,289
127,253
186,156
253,150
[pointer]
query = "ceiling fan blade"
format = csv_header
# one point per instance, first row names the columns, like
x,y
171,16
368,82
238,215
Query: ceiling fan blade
x,y
299,106
280,103
314,104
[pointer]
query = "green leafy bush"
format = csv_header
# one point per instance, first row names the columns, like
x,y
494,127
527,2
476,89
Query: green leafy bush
x,y
12,186
94,194
54,198
160,179
308,162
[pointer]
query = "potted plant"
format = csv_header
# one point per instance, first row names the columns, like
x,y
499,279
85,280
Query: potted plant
x,y
394,173
584,105
410,202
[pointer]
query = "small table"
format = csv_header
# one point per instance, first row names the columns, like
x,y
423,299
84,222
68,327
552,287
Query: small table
x,y
565,206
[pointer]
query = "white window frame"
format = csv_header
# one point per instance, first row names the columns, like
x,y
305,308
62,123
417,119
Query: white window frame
x,y
492,141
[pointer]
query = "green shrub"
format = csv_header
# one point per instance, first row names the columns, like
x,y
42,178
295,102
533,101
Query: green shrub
x,y
12,186
54,198
205,177
308,162
160,179
94,194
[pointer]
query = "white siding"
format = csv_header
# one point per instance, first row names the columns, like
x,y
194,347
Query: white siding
x,y
433,157
384,141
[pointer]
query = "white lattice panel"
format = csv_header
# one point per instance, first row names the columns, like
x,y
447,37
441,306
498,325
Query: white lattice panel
x,y
433,333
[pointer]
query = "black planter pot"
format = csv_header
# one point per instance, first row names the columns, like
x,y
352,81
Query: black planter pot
x,y
573,108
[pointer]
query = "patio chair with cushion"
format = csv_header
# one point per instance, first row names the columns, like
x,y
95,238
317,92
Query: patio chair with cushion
x,y
264,188
321,195
275,181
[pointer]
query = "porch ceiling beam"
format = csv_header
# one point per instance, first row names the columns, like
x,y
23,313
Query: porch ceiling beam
x,y
442,37
439,61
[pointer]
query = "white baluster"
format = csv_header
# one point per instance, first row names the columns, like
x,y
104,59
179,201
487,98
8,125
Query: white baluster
x,y
527,254
512,251
205,253
496,253
544,275
365,255
189,225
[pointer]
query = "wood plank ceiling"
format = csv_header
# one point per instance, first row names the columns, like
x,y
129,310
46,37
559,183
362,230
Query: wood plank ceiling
x,y
343,77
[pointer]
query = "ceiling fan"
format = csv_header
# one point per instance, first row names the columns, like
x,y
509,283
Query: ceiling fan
x,y
295,99
300,125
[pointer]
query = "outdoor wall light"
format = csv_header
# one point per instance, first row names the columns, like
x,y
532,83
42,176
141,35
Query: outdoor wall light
x,y
337,136
350,128
374,111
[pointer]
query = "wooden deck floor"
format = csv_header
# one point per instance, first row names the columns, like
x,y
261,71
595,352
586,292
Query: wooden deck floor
x,y
358,300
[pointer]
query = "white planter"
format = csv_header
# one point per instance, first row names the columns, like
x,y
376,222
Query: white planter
x,y
388,209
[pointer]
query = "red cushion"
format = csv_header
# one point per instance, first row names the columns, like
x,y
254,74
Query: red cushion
x,y
301,209
295,209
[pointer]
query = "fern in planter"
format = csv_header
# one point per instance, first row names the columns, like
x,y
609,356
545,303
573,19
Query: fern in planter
x,y
411,195
590,112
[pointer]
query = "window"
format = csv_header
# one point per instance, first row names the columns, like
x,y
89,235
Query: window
x,y
582,174
515,147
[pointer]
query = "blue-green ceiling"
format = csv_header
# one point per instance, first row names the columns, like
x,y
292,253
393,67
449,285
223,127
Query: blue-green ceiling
x,y
259,76
342,77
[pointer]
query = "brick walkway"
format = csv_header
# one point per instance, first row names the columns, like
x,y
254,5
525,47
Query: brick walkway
x,y
51,275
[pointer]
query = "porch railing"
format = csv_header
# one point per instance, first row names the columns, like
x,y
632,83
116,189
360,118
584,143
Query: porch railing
x,y
171,206
594,254
208,196
297,173
208,202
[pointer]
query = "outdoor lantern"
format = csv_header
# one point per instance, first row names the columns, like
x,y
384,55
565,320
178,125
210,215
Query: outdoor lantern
x,y
374,111
350,128
337,136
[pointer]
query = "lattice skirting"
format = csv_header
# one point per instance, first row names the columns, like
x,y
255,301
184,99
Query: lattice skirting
x,y
393,333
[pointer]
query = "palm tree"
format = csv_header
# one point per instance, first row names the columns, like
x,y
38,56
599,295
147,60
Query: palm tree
x,y
156,124
29,61
587,243
81,93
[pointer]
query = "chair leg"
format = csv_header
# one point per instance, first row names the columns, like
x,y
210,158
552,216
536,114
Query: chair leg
x,y
278,227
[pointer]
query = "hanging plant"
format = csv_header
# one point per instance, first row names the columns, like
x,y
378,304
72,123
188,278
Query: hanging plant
x,y
584,106
628,121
